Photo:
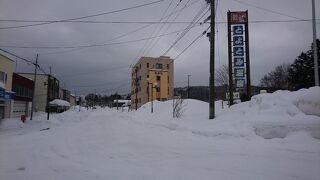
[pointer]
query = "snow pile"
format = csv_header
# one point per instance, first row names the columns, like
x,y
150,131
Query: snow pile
x,y
306,101
275,115
59,102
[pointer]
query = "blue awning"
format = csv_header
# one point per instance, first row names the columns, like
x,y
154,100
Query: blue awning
x,y
6,94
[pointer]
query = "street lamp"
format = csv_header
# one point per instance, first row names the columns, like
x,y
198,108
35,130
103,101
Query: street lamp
x,y
152,87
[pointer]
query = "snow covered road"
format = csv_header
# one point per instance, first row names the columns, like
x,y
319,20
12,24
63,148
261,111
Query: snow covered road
x,y
109,144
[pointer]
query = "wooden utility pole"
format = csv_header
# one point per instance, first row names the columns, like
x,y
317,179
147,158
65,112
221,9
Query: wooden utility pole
x,y
212,43
248,76
34,87
136,89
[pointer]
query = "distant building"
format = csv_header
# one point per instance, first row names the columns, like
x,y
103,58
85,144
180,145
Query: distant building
x,y
23,88
148,72
6,94
46,90
72,100
64,94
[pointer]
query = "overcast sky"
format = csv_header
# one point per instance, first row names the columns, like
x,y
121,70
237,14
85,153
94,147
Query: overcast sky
x,y
107,68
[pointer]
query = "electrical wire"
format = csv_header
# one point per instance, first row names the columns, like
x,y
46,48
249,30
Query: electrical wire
x,y
93,72
120,36
187,29
266,10
92,45
83,17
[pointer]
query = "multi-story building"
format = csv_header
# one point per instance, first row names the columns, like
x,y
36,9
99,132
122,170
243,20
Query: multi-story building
x,y
23,88
152,79
6,95
46,90
64,94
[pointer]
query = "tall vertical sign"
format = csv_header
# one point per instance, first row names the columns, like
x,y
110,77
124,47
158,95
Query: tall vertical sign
x,y
238,52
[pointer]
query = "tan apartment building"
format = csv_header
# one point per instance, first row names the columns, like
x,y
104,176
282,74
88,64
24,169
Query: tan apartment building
x,y
152,79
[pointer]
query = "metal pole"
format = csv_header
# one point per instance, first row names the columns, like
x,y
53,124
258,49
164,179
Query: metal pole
x,y
48,108
188,92
34,87
151,97
248,59
212,42
79,103
315,47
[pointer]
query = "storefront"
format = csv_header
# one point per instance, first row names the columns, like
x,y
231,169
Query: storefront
x,y
6,98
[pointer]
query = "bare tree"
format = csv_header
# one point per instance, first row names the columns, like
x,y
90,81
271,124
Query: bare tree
x,y
222,76
178,107
278,78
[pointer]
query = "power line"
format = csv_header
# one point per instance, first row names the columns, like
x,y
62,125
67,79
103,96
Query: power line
x,y
123,35
83,17
187,29
267,10
93,72
97,85
12,54
92,45
116,88
186,48
143,49
157,40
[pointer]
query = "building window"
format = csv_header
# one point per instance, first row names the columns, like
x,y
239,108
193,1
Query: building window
x,y
147,65
168,91
158,78
158,66
168,79
139,100
148,76
3,77
167,66
140,66
158,89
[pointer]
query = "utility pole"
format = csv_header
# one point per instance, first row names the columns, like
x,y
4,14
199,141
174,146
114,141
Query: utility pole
x,y
75,97
212,43
34,87
136,89
315,47
188,91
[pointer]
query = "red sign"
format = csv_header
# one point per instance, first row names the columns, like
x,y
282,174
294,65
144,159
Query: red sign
x,y
238,17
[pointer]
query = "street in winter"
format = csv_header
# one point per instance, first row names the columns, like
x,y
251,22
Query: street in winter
x,y
159,90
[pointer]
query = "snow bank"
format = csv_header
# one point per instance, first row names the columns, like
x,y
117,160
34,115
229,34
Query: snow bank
x,y
59,102
269,115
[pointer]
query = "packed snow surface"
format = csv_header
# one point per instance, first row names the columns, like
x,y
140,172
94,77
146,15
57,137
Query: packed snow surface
x,y
59,102
273,136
